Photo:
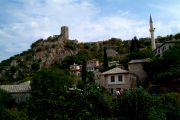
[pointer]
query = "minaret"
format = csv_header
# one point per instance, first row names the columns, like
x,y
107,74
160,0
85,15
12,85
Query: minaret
x,y
153,45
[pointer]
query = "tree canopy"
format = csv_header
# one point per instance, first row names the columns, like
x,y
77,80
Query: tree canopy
x,y
49,87
166,68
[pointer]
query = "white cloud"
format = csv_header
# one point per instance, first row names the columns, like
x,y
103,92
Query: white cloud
x,y
169,9
166,18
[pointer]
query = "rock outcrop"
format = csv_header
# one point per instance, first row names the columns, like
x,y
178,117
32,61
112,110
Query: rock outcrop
x,y
43,53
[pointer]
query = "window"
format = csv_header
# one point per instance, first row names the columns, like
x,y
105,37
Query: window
x,y
112,79
120,78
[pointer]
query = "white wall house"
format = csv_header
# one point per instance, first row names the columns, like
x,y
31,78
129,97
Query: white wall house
x,y
76,69
163,47
117,79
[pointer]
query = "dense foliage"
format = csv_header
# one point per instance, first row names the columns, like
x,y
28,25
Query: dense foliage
x,y
6,103
49,88
139,105
52,99
146,53
166,68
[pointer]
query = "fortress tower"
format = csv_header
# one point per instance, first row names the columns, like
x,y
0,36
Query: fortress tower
x,y
153,45
65,32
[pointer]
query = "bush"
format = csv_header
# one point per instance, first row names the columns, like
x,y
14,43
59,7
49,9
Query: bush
x,y
70,45
138,105
6,99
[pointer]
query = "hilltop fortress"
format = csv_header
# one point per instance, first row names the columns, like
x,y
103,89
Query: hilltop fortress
x,y
65,32
43,53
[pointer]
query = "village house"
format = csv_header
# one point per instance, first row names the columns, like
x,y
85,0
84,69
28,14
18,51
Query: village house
x,y
164,47
92,65
116,79
76,69
19,92
135,67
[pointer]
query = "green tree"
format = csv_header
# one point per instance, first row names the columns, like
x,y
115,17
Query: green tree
x,y
146,53
166,68
105,60
49,88
90,76
69,60
177,36
134,45
138,105
171,104
88,104
70,45
6,99
6,102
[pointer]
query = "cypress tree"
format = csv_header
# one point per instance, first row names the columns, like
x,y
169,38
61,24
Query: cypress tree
x,y
134,45
105,60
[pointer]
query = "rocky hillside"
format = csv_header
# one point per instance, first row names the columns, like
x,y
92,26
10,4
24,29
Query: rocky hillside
x,y
43,53
53,50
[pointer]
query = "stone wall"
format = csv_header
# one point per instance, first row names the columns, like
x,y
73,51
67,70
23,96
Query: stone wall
x,y
137,69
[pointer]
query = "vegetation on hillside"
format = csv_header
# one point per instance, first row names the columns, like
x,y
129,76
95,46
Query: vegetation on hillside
x,y
52,98
165,69
57,94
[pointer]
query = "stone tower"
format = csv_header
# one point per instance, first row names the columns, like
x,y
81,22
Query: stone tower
x,y
65,32
153,45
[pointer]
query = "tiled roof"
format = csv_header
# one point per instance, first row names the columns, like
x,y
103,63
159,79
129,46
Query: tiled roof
x,y
139,61
17,88
115,71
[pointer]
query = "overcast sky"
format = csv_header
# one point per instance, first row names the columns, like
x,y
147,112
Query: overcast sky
x,y
22,22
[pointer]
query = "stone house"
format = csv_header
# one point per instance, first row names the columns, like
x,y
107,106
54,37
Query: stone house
x,y
163,47
76,69
19,92
116,79
92,65
135,67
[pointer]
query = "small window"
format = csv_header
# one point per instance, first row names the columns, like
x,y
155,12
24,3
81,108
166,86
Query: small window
x,y
112,79
120,78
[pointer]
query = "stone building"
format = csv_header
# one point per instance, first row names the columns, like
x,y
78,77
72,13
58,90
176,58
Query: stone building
x,y
20,92
116,79
92,65
65,32
163,47
136,67
76,69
